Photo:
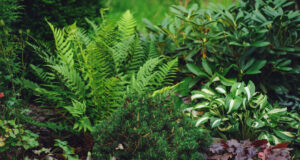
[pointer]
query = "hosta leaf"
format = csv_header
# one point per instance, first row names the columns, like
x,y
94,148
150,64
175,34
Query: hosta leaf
x,y
233,104
202,120
199,95
237,89
277,110
264,136
215,122
221,89
255,123
208,91
201,105
285,135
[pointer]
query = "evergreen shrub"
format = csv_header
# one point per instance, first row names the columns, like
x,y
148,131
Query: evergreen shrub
x,y
149,129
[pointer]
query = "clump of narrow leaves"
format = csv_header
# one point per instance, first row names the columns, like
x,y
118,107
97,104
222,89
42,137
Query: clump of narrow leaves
x,y
244,150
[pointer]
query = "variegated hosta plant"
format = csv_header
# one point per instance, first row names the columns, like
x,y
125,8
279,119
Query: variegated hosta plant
x,y
242,113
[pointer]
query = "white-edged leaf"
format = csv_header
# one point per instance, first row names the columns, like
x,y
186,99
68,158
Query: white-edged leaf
x,y
221,89
215,122
277,110
201,105
202,120
233,104
207,91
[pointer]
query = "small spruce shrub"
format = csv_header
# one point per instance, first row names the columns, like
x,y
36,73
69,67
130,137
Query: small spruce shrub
x,y
149,129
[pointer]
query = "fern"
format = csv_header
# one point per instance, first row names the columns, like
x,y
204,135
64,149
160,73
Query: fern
x,y
51,125
166,74
63,46
137,57
121,52
126,25
72,79
152,52
87,77
144,76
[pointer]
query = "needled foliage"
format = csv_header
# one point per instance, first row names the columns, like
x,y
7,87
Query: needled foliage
x,y
88,77
148,128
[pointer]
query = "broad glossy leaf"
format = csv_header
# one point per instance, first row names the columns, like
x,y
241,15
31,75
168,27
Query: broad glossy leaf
x,y
221,89
260,44
202,120
199,95
250,90
196,70
255,68
206,66
233,104
284,135
277,110
202,105
215,122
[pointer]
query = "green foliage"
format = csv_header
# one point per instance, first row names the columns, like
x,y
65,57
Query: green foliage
x,y
12,48
59,126
148,128
89,76
243,113
68,152
13,137
61,13
238,42
9,13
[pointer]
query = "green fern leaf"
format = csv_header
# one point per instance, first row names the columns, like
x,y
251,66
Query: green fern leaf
x,y
127,25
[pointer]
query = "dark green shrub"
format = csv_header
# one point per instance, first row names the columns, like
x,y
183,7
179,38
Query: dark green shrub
x,y
149,129
62,13
249,41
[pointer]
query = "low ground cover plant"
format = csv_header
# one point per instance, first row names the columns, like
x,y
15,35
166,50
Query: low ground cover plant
x,y
243,113
15,140
259,149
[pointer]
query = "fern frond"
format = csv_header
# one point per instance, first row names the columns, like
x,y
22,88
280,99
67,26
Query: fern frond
x,y
165,91
63,46
127,25
120,52
77,109
95,27
166,74
144,76
137,57
152,51
51,125
71,78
